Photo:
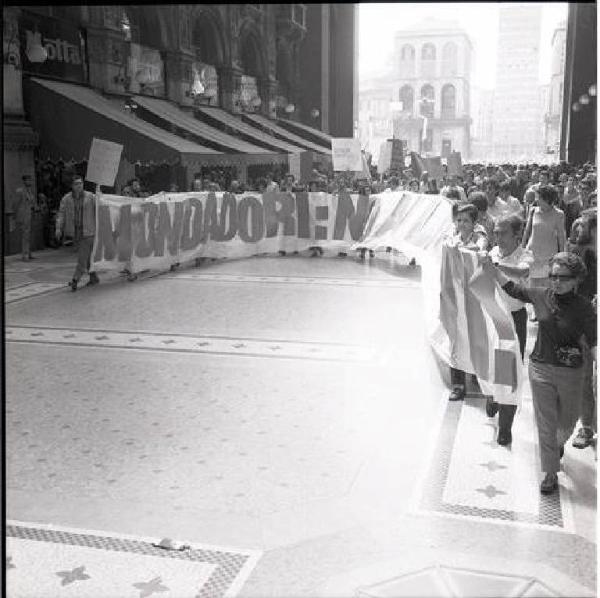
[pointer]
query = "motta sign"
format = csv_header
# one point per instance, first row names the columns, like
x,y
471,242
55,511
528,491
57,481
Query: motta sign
x,y
63,44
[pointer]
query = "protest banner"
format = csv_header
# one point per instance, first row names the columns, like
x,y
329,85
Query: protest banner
x,y
346,154
157,231
103,162
468,325
455,163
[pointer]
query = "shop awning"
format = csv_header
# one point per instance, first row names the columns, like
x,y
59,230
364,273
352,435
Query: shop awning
x,y
68,116
275,129
171,113
300,128
250,131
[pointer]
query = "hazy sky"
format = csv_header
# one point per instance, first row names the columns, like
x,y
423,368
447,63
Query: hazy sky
x,y
379,22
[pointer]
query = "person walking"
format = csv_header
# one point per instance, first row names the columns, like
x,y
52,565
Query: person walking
x,y
470,235
24,206
77,218
556,370
545,234
513,260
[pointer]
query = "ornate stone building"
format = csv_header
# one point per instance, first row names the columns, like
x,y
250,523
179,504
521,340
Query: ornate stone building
x,y
426,95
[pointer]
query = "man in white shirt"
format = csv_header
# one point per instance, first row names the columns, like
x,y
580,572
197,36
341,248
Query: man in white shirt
x,y
452,183
497,208
513,260
512,203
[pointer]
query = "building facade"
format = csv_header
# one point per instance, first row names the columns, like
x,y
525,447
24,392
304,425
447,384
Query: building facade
x,y
517,129
286,63
428,92
553,108
483,109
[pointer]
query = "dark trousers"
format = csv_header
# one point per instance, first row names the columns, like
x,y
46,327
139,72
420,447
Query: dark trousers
x,y
506,412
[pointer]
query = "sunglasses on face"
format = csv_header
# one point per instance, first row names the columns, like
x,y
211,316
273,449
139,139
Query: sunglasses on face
x,y
561,277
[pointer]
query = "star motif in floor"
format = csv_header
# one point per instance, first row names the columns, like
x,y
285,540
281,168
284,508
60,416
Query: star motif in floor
x,y
490,491
203,344
135,340
493,466
101,338
238,346
68,336
76,574
168,342
37,334
150,587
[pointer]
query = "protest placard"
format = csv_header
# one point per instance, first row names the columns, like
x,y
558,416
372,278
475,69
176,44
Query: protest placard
x,y
434,168
346,154
103,163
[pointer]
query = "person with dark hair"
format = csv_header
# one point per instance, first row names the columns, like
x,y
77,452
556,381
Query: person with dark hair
x,y
77,218
480,201
513,260
544,234
470,235
413,186
24,205
496,206
570,203
555,365
512,203
585,246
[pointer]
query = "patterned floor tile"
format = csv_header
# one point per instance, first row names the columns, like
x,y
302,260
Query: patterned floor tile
x,y
31,290
442,581
310,280
192,344
53,561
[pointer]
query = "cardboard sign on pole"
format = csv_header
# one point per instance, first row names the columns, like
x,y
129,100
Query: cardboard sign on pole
x,y
346,154
103,163
434,168
455,163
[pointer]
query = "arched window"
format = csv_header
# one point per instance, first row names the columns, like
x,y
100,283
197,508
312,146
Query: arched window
x,y
407,52
450,59
448,101
205,42
428,52
427,101
407,97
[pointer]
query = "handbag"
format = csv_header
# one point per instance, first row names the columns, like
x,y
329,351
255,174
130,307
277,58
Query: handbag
x,y
571,357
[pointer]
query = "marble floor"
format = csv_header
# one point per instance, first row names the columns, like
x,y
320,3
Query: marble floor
x,y
283,417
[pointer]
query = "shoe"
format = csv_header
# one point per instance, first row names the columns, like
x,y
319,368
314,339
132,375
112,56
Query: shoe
x,y
491,407
342,254
73,285
457,394
131,277
504,437
388,250
173,267
584,438
561,452
282,253
371,253
31,257
93,279
412,263
549,484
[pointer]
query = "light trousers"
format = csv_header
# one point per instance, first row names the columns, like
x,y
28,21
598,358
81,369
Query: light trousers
x,y
84,257
556,393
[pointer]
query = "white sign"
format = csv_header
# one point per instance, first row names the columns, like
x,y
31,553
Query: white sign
x,y
346,154
103,163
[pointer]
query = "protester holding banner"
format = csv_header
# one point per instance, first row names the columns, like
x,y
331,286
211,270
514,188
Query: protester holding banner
x,y
479,200
513,260
472,236
77,218
556,370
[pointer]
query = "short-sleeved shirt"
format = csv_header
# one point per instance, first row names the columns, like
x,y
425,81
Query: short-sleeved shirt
x,y
519,257
563,320
471,242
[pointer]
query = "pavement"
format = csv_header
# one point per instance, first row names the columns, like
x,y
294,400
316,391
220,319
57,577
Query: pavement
x,y
283,417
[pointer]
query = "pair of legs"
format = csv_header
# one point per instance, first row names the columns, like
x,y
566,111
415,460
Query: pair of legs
x,y
587,416
84,258
507,412
26,240
556,393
